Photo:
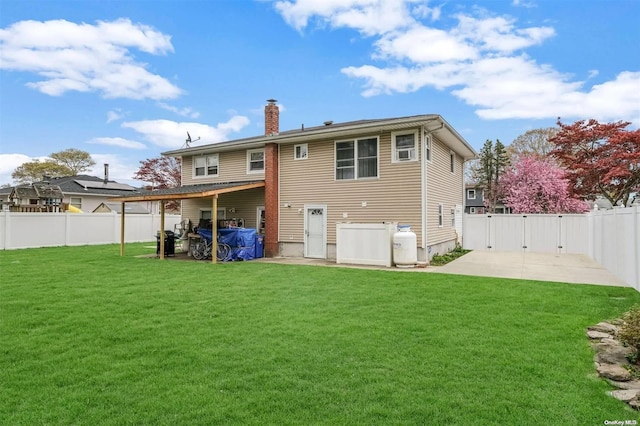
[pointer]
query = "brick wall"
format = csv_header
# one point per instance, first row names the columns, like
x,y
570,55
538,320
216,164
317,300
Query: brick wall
x,y
271,200
271,118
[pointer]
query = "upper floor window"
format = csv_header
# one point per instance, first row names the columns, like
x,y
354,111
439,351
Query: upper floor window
x,y
471,194
205,165
255,160
427,149
404,146
301,151
357,159
452,157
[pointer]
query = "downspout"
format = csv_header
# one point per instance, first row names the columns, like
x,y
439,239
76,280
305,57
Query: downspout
x,y
424,180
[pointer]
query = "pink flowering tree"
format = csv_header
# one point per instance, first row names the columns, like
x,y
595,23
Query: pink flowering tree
x,y
538,186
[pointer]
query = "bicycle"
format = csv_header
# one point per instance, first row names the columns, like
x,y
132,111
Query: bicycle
x,y
203,248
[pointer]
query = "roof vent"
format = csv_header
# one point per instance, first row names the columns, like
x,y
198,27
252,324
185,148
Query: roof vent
x,y
328,123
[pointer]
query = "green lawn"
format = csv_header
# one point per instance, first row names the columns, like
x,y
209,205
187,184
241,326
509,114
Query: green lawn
x,y
88,337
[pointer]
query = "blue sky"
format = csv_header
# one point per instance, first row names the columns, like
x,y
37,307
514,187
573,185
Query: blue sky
x,y
125,80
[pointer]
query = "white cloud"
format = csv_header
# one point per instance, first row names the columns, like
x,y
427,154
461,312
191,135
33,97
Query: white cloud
x,y
480,59
87,58
499,34
410,44
185,112
114,115
368,16
10,162
172,134
119,142
520,3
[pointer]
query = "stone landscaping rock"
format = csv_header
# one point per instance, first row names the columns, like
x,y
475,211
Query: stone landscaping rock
x,y
614,372
624,394
611,360
612,354
598,335
631,384
604,327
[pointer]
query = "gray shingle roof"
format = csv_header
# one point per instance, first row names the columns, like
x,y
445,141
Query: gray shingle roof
x,y
197,189
85,184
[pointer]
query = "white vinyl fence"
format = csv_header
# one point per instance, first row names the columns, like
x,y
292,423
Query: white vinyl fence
x,y
28,230
610,237
365,243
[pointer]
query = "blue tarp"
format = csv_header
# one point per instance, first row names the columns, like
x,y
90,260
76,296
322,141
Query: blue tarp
x,y
241,240
206,234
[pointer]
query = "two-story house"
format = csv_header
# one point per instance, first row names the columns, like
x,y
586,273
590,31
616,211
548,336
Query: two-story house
x,y
295,185
475,201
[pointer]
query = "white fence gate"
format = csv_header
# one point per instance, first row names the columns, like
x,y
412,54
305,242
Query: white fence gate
x,y
28,230
611,237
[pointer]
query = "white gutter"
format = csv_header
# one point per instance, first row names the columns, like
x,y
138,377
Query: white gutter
x,y
330,131
424,181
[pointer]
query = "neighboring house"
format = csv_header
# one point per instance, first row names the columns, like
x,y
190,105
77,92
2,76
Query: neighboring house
x,y
474,201
294,186
131,208
83,192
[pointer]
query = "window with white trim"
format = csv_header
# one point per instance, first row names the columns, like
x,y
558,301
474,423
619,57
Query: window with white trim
x,y
205,165
472,210
75,202
471,194
427,150
301,152
255,160
404,146
440,215
357,159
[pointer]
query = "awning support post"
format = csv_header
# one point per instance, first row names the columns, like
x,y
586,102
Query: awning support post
x,y
122,229
162,236
214,229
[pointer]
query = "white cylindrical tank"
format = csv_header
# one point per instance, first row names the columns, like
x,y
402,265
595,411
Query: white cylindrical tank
x,y
405,247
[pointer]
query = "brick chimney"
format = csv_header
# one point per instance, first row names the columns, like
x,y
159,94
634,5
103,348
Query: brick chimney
x,y
271,118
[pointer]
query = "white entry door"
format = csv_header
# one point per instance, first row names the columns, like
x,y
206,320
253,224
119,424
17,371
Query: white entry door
x,y
315,231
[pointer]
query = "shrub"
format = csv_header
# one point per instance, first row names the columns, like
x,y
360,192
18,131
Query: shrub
x,y
629,332
443,259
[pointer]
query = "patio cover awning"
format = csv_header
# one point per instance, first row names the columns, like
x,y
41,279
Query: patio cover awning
x,y
202,190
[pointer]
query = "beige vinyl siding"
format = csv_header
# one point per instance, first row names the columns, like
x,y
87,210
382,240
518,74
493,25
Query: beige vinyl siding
x,y
394,196
442,187
232,167
244,203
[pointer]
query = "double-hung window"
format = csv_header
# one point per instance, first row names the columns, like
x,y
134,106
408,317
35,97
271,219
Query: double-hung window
x,y
404,146
255,161
301,152
357,159
75,202
205,165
